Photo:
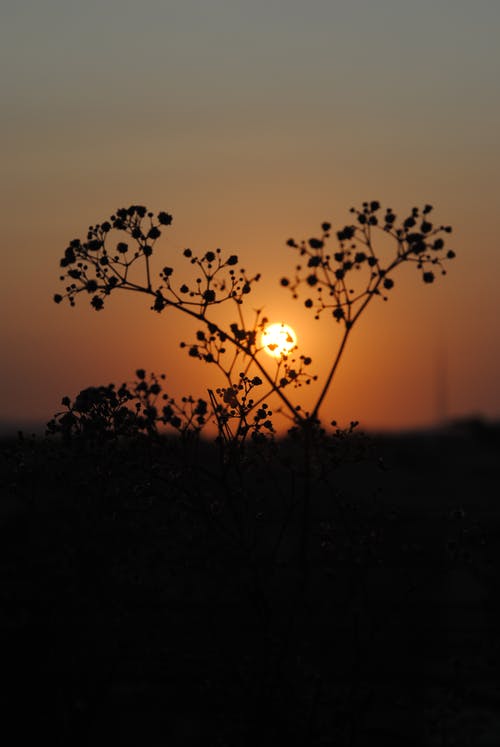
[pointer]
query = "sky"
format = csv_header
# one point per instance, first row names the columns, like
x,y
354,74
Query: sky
x,y
252,123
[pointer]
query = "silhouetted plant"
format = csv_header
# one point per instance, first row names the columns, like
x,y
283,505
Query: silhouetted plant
x,y
341,281
273,505
344,281
131,410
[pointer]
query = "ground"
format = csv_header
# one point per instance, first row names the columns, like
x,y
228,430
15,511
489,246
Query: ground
x,y
153,595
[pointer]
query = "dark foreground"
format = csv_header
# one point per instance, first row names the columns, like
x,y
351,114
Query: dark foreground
x,y
156,595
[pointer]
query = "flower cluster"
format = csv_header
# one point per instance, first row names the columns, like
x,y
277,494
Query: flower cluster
x,y
99,264
217,281
341,280
240,404
128,411
104,261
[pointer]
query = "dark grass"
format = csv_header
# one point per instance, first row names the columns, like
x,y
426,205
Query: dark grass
x,y
143,600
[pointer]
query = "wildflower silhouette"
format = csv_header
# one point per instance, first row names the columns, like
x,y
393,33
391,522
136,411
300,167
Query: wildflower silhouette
x,y
340,281
278,510
131,410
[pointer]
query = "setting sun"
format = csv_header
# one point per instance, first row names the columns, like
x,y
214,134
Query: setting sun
x,y
278,340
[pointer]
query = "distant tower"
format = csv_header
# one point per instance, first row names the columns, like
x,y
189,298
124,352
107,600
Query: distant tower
x,y
441,385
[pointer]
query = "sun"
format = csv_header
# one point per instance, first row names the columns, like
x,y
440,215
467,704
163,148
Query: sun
x,y
278,340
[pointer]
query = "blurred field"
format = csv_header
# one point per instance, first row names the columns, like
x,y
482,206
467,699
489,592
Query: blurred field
x,y
145,602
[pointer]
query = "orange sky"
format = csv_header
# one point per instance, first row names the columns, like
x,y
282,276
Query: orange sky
x,y
251,123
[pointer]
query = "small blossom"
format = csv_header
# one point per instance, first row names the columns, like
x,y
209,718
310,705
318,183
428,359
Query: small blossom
x,y
165,219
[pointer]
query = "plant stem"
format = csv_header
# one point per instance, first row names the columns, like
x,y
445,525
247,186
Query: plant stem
x,y
333,369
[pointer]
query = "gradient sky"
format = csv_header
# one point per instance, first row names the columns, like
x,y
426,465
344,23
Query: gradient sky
x,y
251,122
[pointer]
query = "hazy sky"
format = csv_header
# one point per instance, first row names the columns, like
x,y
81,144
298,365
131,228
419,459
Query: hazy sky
x,y
251,122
